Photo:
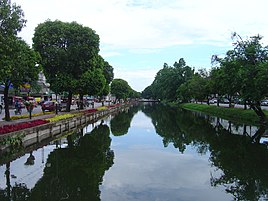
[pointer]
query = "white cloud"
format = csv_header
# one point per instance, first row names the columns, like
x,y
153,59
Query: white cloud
x,y
137,79
146,26
163,175
152,24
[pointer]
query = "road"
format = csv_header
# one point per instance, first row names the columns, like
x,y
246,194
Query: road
x,y
236,105
38,109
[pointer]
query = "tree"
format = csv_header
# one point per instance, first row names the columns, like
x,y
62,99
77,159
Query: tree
x,y
196,87
109,76
169,78
91,82
246,68
17,60
120,89
68,50
147,93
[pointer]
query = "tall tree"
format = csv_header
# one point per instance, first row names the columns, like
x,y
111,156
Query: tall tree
x,y
17,60
91,82
68,50
249,62
169,78
196,87
120,89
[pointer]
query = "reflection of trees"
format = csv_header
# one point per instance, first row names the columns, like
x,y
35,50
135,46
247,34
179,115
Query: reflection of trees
x,y
166,125
244,164
121,122
75,173
72,173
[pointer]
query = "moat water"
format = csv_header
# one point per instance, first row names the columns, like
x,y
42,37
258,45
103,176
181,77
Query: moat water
x,y
147,153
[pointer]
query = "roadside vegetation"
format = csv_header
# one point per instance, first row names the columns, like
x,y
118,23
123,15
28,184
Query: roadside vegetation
x,y
239,76
238,115
66,52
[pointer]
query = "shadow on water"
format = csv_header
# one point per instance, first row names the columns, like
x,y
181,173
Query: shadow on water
x,y
234,149
71,173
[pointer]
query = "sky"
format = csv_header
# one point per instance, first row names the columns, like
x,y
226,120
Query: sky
x,y
138,36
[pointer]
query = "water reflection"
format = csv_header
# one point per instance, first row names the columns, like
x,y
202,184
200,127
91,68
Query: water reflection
x,y
162,154
120,123
242,160
73,172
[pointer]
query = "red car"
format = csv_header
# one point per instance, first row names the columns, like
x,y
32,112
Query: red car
x,y
50,106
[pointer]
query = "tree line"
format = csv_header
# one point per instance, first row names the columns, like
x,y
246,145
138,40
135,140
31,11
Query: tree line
x,y
241,74
66,52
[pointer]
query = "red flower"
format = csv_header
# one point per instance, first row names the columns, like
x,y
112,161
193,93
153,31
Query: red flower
x,y
19,126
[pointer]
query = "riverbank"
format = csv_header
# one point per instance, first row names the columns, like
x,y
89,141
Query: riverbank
x,y
29,132
238,115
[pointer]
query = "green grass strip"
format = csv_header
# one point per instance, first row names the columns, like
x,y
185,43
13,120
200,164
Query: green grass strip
x,y
238,115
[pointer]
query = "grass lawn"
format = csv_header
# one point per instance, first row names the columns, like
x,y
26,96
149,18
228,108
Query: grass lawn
x,y
234,114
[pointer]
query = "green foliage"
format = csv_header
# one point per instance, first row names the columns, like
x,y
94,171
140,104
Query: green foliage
x,y
70,58
234,114
196,87
91,82
120,89
168,80
243,70
11,19
14,141
17,60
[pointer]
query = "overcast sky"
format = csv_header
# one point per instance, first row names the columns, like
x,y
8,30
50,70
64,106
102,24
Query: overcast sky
x,y
138,36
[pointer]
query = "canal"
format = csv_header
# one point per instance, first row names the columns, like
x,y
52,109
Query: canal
x,y
148,152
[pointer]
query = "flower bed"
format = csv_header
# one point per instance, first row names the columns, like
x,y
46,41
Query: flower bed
x,y
19,126
27,115
102,108
115,105
60,117
90,111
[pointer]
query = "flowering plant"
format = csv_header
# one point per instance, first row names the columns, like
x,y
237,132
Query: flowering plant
x,y
29,105
90,111
15,127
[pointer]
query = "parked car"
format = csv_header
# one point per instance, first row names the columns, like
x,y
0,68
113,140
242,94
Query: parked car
x,y
224,100
50,106
213,100
264,102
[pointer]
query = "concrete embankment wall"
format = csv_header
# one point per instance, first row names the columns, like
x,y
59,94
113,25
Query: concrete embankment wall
x,y
40,133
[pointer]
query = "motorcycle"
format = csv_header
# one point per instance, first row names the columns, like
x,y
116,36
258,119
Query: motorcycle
x,y
18,111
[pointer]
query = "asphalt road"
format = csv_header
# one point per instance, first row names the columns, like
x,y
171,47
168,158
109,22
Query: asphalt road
x,y
236,105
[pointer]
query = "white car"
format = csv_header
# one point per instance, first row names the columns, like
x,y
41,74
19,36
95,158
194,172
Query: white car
x,y
213,100
264,102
